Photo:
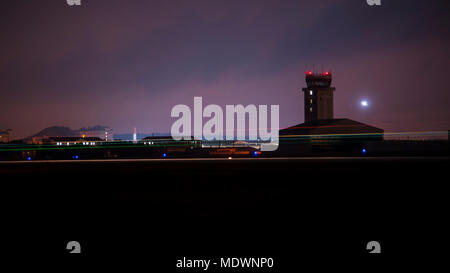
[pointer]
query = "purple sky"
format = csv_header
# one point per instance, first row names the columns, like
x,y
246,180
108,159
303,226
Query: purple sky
x,y
126,63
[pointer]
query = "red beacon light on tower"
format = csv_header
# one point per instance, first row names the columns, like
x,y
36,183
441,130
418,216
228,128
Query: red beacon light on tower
x,y
310,73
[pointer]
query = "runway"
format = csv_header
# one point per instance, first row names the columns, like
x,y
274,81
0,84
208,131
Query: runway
x,y
360,158
254,204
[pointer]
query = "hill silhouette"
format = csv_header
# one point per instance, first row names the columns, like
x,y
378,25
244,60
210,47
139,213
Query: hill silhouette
x,y
63,131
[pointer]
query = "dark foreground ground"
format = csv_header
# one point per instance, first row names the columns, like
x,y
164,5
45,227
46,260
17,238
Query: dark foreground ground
x,y
318,212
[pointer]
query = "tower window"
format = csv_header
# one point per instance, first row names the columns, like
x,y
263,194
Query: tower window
x,y
310,92
310,101
310,109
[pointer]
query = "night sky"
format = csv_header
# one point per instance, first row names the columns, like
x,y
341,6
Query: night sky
x,y
126,63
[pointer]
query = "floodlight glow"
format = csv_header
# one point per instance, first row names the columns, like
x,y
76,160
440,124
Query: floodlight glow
x,y
364,103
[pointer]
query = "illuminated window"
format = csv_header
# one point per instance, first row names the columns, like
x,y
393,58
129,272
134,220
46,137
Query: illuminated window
x,y
310,101
310,109
310,92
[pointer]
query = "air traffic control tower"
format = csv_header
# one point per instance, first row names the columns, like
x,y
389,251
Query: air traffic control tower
x,y
320,124
318,95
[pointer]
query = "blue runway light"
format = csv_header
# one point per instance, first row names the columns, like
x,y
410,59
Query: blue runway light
x,y
364,150
164,155
76,157
255,153
29,158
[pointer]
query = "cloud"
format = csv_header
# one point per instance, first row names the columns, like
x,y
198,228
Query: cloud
x,y
120,63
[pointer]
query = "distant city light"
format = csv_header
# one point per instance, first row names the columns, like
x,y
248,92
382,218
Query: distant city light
x,y
364,103
230,157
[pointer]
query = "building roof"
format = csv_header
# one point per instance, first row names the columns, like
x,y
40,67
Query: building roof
x,y
165,138
342,126
74,139
95,128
